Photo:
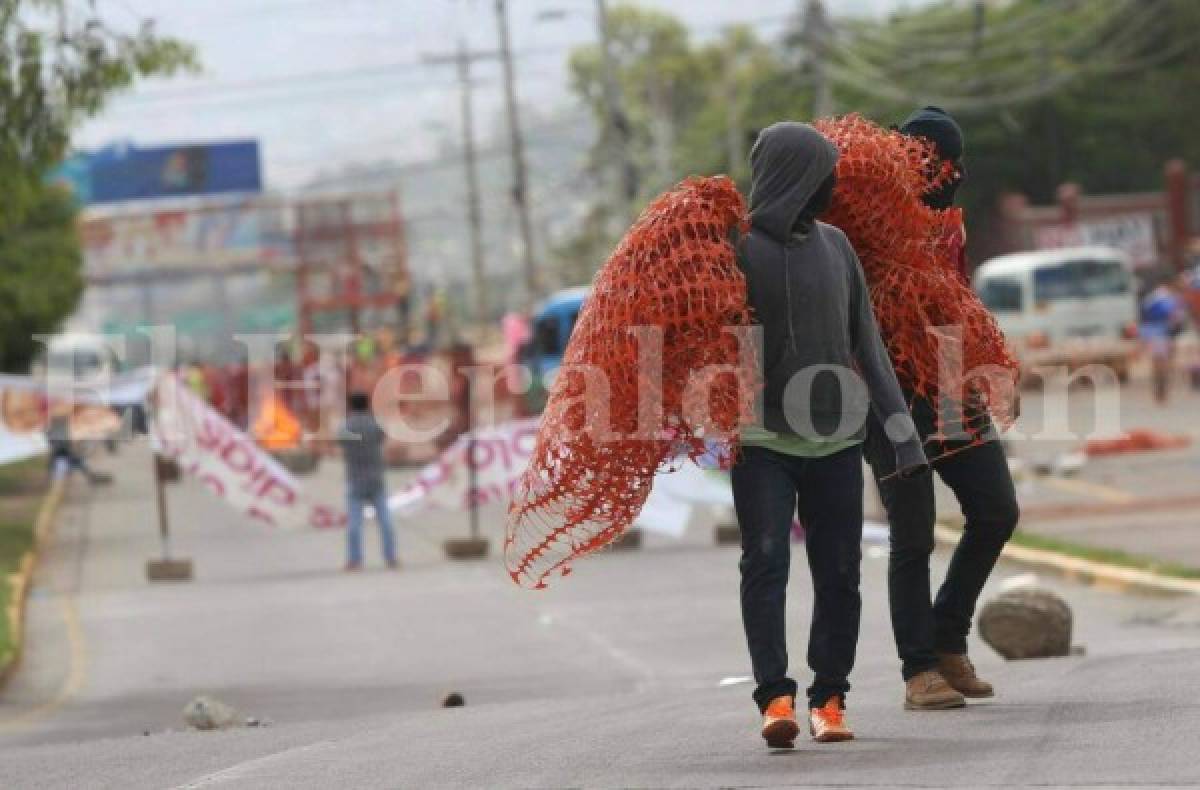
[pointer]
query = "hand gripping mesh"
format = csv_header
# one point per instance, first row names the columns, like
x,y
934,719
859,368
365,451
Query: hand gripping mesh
x,y
909,257
675,271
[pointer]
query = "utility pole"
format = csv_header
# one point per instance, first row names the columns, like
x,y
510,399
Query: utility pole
x,y
735,139
816,33
616,125
520,176
462,60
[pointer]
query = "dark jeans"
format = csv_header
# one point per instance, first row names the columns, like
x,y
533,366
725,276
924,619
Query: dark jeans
x,y
980,480
767,487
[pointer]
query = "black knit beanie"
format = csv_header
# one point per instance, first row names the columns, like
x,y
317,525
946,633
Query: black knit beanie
x,y
936,125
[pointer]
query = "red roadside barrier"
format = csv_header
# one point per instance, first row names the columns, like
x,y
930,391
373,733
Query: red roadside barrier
x,y
1136,441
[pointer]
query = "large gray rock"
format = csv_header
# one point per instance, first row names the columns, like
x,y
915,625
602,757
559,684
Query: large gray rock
x,y
1027,622
206,713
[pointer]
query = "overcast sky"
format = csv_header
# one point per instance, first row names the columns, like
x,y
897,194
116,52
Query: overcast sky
x,y
323,83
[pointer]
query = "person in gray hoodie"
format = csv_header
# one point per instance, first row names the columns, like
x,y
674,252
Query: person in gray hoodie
x,y
824,368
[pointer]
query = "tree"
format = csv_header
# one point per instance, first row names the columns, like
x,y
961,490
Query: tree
x,y
662,81
690,109
54,73
750,86
1047,91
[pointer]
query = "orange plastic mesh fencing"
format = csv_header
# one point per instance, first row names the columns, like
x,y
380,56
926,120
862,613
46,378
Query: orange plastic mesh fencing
x,y
593,463
908,256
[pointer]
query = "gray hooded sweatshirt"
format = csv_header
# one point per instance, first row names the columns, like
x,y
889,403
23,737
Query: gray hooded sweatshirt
x,y
823,359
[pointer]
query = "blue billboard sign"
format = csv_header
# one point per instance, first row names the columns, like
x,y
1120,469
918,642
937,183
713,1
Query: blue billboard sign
x,y
125,172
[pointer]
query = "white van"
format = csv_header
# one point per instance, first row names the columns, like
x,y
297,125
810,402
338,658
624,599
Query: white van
x,y
1072,306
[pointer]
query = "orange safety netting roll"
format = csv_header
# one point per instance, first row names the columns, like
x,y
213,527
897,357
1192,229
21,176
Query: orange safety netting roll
x,y
906,252
590,472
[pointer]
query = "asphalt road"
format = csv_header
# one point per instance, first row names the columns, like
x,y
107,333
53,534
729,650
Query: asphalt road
x,y
630,673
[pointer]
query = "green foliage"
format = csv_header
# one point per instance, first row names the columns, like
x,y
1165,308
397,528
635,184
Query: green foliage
x,y
1047,91
54,73
689,108
659,78
20,486
1097,93
40,278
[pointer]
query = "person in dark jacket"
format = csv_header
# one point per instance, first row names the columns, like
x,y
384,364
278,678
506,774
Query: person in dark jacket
x,y
931,636
361,439
820,345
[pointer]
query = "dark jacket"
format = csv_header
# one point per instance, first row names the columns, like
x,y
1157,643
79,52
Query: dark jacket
x,y
807,290
362,439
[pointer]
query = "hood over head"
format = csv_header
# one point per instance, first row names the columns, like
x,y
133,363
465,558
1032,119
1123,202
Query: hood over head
x,y
788,165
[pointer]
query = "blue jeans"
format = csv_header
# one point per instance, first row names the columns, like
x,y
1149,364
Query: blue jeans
x,y
769,488
355,501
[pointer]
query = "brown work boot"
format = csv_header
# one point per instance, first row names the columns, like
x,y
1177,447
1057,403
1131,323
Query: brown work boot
x,y
929,691
959,672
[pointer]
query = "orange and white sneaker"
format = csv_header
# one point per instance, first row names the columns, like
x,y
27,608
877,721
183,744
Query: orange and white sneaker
x,y
779,727
828,724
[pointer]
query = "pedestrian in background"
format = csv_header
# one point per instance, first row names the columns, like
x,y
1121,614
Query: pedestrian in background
x,y
361,439
64,453
1163,318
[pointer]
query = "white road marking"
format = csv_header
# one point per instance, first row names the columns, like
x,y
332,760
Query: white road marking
x,y
242,770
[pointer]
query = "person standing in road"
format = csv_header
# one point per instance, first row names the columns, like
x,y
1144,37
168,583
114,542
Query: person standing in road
x,y
808,294
931,635
361,439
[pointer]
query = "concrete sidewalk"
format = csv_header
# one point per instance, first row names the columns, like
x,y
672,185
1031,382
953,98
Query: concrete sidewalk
x,y
628,673
1146,504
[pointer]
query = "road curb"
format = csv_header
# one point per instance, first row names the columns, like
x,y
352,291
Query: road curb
x,y
21,579
1089,572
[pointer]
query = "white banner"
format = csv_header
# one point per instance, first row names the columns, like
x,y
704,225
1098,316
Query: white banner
x,y
26,405
230,464
500,456
1132,233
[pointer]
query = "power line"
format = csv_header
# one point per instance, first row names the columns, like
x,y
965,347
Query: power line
x,y
384,69
311,79
448,159
1131,35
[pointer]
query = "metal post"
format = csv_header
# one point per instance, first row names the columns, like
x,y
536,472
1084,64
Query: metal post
x,y
475,545
401,282
164,527
472,474
165,569
1179,212
517,142
474,213
816,31
353,284
221,295
735,144
616,125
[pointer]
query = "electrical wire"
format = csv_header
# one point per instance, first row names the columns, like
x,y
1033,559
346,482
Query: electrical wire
x,y
1132,35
